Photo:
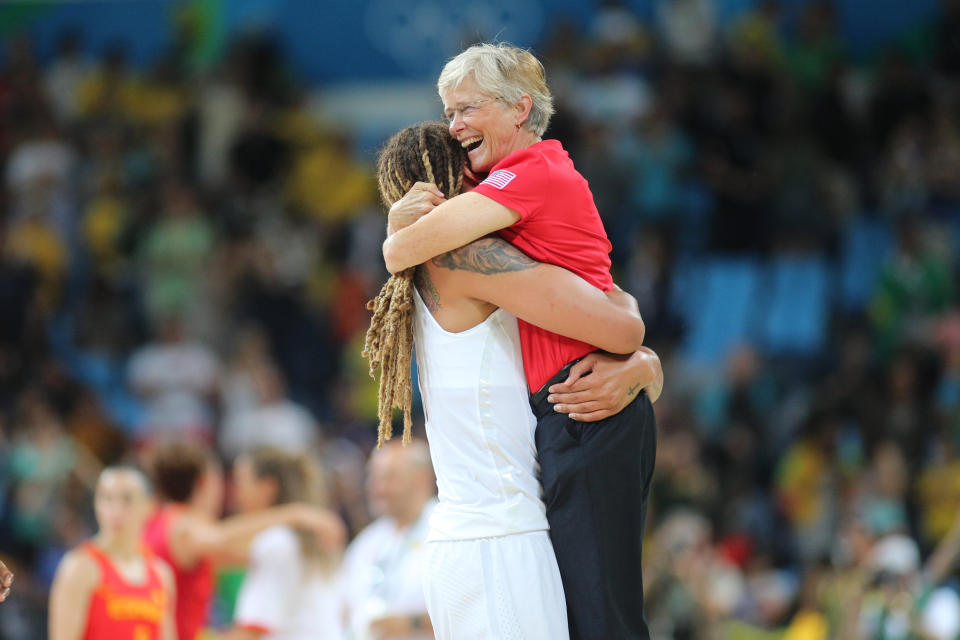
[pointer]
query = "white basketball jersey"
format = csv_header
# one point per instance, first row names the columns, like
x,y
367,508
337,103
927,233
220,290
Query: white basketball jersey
x,y
480,428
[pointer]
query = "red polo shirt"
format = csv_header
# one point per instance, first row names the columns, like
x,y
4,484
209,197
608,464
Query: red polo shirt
x,y
559,224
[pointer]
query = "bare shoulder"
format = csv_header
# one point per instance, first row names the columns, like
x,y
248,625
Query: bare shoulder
x,y
78,569
185,536
489,255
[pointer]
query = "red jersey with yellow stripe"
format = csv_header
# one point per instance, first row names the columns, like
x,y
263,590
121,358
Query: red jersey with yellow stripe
x,y
123,611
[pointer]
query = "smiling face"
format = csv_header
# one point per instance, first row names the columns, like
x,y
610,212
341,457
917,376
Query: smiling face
x,y
484,125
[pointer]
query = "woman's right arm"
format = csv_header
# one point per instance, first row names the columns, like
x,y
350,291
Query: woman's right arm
x,y
223,540
73,586
545,295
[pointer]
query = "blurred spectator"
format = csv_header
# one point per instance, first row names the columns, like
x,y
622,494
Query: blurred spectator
x,y
689,29
249,352
325,182
612,94
610,176
731,165
755,38
916,283
64,77
682,480
382,569
176,379
881,501
39,175
47,468
900,95
33,239
943,153
616,25
834,121
688,586
658,157
221,108
938,492
174,254
903,171
646,277
258,157
109,92
892,606
807,486
816,47
19,324
273,420
947,50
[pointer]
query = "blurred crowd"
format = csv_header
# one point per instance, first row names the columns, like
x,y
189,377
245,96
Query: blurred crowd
x,y
186,253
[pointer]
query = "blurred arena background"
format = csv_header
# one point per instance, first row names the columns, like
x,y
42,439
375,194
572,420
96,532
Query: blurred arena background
x,y
189,230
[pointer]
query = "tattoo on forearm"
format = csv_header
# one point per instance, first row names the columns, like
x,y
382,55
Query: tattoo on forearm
x,y
633,390
429,293
486,256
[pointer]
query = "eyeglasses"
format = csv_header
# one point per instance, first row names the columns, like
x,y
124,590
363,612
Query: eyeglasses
x,y
465,110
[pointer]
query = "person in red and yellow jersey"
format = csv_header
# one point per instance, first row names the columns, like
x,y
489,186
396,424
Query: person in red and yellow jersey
x,y
113,586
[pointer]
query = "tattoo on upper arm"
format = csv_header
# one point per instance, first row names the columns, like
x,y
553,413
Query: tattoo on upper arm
x,y
429,293
486,256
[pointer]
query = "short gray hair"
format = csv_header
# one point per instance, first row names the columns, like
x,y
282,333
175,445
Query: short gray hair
x,y
505,72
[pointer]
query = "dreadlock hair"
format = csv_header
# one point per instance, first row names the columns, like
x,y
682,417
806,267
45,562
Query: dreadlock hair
x,y
424,152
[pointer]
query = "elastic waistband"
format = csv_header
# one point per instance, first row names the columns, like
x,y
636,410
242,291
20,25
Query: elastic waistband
x,y
537,399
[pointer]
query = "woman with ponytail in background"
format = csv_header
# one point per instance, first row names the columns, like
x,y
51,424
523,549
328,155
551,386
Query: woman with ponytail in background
x,y
290,590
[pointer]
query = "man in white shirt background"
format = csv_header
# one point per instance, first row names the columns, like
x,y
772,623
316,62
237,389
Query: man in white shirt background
x,y
382,570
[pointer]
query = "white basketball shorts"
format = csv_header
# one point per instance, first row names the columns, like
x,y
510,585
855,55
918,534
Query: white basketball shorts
x,y
503,588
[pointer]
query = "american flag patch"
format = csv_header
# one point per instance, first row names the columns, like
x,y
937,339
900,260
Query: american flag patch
x,y
499,178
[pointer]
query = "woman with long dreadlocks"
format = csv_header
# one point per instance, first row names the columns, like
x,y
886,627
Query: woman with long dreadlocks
x,y
491,570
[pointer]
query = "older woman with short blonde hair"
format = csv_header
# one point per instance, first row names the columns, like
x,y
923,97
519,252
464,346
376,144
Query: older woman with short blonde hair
x,y
506,72
595,433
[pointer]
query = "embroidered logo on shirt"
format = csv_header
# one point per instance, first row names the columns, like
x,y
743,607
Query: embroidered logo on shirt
x,y
499,178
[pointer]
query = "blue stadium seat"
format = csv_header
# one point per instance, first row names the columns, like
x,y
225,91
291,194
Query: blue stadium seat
x,y
865,247
795,316
718,307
